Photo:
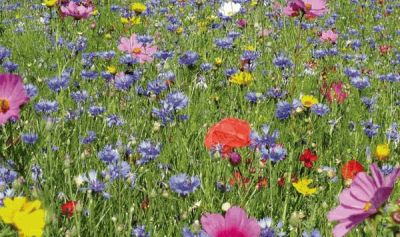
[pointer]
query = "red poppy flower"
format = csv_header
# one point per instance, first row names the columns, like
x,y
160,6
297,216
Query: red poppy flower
x,y
68,208
351,169
231,133
281,181
308,158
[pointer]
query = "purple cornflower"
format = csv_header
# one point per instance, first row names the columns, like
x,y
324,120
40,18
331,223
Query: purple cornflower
x,y
114,119
4,53
89,139
275,154
234,34
157,86
148,151
264,141
351,72
79,45
284,109
356,44
387,169
188,58
108,55
31,90
224,43
7,175
165,113
230,71
37,173
370,129
119,170
57,83
223,188
320,109
79,95
393,135
124,82
177,99
108,155
95,110
46,106
206,66
282,62
89,75
140,232
128,59
10,66
313,233
188,233
360,82
94,185
370,103
29,138
163,55
254,97
249,55
275,93
267,230
183,185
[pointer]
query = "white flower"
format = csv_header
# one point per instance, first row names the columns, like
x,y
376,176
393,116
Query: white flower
x,y
229,8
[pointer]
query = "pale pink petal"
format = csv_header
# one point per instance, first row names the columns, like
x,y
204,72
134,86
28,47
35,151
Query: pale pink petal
x,y
377,175
236,216
391,178
362,180
346,198
213,223
343,212
345,227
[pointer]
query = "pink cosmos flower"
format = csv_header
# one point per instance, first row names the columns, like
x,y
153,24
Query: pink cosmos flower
x,y
291,10
312,8
138,50
329,36
235,224
12,96
77,10
335,93
364,197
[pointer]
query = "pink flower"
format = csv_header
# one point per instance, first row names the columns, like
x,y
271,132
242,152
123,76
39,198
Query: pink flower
x,y
329,36
312,7
138,50
362,199
77,11
291,10
335,93
264,33
242,23
12,96
235,224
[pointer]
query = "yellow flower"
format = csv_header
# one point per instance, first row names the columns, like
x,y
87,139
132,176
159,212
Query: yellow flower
x,y
112,69
250,48
124,20
254,3
25,216
138,8
179,30
50,3
308,100
108,36
218,61
302,187
95,12
242,78
382,152
17,16
135,20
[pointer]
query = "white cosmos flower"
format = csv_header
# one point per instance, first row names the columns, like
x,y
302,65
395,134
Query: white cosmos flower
x,y
229,8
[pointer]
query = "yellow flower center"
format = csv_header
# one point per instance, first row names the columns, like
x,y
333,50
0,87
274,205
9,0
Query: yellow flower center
x,y
4,105
367,206
308,7
137,50
230,13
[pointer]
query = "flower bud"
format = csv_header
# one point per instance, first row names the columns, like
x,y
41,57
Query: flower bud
x,y
235,158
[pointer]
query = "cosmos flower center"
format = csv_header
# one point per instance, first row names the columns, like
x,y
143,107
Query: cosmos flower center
x,y
137,50
4,105
230,13
308,7
367,206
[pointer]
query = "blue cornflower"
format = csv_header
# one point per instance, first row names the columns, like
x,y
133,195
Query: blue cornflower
x,y
351,72
4,53
223,188
275,92
188,233
128,59
114,119
108,155
168,75
163,55
370,129
320,109
46,106
313,233
393,135
89,75
360,82
183,185
370,103
7,175
157,86
124,82
224,43
144,39
165,113
284,109
95,185
267,230
140,232
31,90
206,66
230,71
148,151
37,173
254,97
119,170
96,110
378,28
333,51
10,66
107,75
282,62
57,83
188,58
356,44
79,45
392,77
320,53
177,99
29,138
107,55
89,139
263,141
234,34
387,169
79,95
249,55
275,154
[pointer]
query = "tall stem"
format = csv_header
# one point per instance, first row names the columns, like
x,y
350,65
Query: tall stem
x,y
296,62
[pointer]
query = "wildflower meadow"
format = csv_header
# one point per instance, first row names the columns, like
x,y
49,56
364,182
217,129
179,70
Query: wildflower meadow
x,y
208,118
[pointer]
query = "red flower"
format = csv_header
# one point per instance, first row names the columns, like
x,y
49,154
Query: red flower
x,y
68,208
231,133
351,169
308,158
281,181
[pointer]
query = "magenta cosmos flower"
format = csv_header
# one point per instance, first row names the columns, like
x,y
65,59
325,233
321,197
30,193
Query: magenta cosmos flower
x,y
364,197
77,10
138,50
12,96
328,36
235,224
335,93
311,8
